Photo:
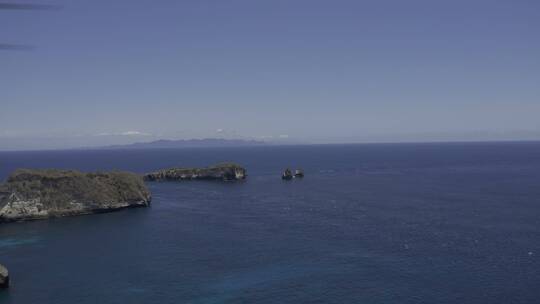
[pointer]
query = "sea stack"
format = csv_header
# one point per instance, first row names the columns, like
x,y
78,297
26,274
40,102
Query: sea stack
x,y
40,194
4,277
223,172
287,174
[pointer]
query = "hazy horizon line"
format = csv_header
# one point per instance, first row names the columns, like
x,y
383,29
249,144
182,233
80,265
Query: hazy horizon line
x,y
276,144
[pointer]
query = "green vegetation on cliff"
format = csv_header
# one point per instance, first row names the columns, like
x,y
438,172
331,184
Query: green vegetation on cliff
x,y
34,194
223,171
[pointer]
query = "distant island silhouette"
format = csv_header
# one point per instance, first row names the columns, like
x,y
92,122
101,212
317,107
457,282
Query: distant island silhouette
x,y
188,143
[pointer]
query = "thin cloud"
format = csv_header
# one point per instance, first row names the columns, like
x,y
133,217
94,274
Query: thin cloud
x,y
134,133
125,133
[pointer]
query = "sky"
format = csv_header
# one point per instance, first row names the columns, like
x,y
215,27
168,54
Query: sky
x,y
300,71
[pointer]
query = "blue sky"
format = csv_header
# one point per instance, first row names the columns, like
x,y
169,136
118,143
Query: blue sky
x,y
308,71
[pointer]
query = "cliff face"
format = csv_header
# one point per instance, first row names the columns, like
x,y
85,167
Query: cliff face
x,y
224,172
38,194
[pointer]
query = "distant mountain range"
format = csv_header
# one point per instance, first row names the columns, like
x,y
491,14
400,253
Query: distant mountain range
x,y
188,143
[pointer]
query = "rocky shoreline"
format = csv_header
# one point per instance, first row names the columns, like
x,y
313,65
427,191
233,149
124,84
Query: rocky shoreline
x,y
224,172
40,194
4,277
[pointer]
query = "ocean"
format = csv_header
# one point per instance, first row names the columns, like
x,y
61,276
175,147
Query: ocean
x,y
369,223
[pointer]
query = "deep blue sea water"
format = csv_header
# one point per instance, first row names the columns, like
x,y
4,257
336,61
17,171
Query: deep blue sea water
x,y
380,223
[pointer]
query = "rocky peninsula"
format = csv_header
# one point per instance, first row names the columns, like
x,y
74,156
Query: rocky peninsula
x,y
224,172
4,277
39,194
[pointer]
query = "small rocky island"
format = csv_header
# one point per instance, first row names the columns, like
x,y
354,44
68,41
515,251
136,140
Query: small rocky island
x,y
288,174
4,277
225,172
39,194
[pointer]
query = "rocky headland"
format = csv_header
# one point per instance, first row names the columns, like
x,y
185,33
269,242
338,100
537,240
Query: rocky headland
x,y
225,172
39,194
4,277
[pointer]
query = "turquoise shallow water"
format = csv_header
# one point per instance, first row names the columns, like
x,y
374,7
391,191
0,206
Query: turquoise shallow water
x,y
403,223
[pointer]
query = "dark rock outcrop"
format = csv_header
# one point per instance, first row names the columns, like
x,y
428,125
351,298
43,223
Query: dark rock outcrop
x,y
39,194
226,172
4,277
287,174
